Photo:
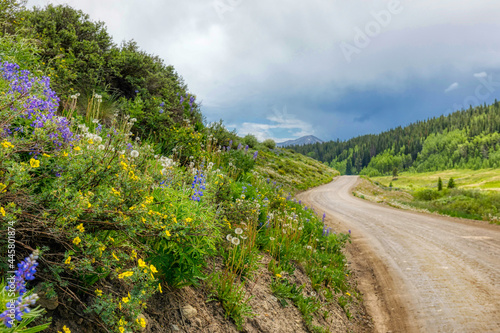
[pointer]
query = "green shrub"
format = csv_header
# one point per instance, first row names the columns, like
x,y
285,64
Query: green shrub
x,y
269,143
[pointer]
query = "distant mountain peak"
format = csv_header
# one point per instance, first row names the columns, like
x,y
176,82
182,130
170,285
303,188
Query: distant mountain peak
x,y
305,140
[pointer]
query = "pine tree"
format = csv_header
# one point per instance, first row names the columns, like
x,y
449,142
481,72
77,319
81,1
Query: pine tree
x,y
440,184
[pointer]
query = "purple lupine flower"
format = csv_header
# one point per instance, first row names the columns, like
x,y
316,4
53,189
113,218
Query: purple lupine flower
x,y
349,231
19,307
239,146
41,110
162,104
182,99
198,186
324,216
26,270
161,111
246,149
255,155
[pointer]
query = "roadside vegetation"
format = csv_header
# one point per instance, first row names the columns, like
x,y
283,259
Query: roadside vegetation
x,y
113,196
438,192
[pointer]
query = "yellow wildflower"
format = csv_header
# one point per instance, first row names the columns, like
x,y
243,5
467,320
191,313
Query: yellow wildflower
x,y
278,276
7,144
153,269
45,155
159,288
348,294
141,321
80,227
134,254
77,148
114,256
98,292
125,300
189,220
142,264
65,330
34,163
167,233
115,192
2,211
68,260
125,274
89,205
121,329
77,240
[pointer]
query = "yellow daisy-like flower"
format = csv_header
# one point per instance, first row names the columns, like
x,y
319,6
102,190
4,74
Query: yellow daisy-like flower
x,y
278,275
159,288
142,264
125,300
121,329
77,148
2,211
153,269
189,220
125,274
34,163
65,329
45,155
167,233
134,254
68,260
89,205
348,294
77,240
141,321
7,144
98,292
114,256
80,227
65,154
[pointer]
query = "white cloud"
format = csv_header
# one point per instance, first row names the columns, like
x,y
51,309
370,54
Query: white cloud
x,y
280,121
452,87
480,75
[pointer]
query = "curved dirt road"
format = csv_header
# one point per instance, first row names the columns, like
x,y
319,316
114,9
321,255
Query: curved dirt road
x,y
431,273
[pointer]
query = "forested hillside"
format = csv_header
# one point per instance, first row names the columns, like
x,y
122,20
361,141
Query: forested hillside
x,y
463,139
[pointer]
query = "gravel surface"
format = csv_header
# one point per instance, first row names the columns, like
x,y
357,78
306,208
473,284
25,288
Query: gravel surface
x,y
419,272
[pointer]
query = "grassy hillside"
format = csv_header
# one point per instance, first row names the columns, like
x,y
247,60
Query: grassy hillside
x,y
294,170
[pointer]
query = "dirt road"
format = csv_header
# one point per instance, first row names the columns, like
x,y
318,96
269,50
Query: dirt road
x,y
430,273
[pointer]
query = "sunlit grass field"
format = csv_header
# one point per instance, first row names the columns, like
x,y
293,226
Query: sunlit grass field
x,y
485,179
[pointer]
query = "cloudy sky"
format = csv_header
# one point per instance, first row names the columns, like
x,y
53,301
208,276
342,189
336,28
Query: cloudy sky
x,y
334,69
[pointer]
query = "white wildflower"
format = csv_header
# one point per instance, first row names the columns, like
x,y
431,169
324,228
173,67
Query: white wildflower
x,y
134,153
238,231
229,237
101,147
235,241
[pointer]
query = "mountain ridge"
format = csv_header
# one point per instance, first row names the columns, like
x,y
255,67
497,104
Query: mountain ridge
x,y
305,140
